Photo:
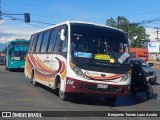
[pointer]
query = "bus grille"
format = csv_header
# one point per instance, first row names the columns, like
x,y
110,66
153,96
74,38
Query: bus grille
x,y
94,88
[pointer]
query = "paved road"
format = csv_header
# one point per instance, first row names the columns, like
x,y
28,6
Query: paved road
x,y
18,93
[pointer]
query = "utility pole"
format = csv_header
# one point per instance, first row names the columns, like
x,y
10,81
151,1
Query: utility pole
x,y
157,33
118,20
0,11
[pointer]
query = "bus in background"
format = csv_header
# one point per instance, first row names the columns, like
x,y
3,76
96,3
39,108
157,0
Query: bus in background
x,y
16,53
77,57
141,53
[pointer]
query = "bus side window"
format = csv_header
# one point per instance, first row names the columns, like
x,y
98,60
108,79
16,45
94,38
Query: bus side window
x,y
63,47
51,41
33,44
30,46
39,42
57,42
45,41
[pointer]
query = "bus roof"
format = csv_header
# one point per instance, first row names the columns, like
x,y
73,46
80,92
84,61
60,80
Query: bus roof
x,y
19,40
70,22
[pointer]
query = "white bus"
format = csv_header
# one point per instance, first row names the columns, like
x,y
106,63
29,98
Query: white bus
x,y
78,57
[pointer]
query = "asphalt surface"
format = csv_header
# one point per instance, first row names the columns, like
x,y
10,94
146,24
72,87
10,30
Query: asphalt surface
x,y
18,94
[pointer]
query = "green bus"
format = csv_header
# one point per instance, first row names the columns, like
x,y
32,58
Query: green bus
x,y
16,53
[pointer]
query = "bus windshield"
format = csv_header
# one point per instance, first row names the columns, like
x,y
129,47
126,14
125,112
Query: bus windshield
x,y
18,52
98,45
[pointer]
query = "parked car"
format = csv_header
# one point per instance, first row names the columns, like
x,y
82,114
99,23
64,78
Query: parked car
x,y
2,60
147,67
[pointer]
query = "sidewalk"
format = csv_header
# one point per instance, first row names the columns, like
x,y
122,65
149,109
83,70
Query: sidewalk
x,y
154,61
156,64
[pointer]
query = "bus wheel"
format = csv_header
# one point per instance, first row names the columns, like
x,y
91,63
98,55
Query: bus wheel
x,y
110,100
34,81
63,95
10,69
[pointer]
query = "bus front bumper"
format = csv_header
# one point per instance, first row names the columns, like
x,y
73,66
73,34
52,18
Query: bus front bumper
x,y
77,86
16,64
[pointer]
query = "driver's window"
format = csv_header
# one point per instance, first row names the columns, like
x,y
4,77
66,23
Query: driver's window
x,y
123,48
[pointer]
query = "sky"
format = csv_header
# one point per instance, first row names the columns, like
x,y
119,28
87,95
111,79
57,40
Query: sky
x,y
56,11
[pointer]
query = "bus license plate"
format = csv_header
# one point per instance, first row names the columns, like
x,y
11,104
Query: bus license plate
x,y
102,86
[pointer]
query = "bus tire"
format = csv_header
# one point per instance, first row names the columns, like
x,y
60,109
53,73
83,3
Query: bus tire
x,y
34,81
110,100
63,95
133,92
57,85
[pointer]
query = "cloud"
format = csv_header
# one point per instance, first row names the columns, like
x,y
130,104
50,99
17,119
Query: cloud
x,y
12,33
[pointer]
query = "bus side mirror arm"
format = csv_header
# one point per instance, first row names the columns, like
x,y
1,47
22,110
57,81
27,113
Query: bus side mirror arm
x,y
62,35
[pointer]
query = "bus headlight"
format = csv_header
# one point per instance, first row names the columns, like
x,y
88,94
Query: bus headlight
x,y
77,70
125,76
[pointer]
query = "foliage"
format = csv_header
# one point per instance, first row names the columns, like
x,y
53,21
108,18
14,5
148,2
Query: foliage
x,y
136,33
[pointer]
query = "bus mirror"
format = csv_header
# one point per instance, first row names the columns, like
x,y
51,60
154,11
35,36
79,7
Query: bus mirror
x,y
62,36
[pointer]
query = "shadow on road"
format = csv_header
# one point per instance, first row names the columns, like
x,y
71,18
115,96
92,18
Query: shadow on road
x,y
156,83
100,101
121,100
17,70
133,100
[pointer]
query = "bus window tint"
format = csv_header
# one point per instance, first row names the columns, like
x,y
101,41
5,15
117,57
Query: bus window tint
x,y
45,41
39,43
33,44
57,42
98,40
64,46
19,51
29,50
51,41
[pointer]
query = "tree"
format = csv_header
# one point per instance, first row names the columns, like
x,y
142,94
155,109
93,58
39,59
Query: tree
x,y
111,22
137,36
136,33
123,23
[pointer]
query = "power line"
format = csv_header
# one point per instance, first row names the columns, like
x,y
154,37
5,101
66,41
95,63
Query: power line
x,y
149,21
30,24
31,20
143,13
21,20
